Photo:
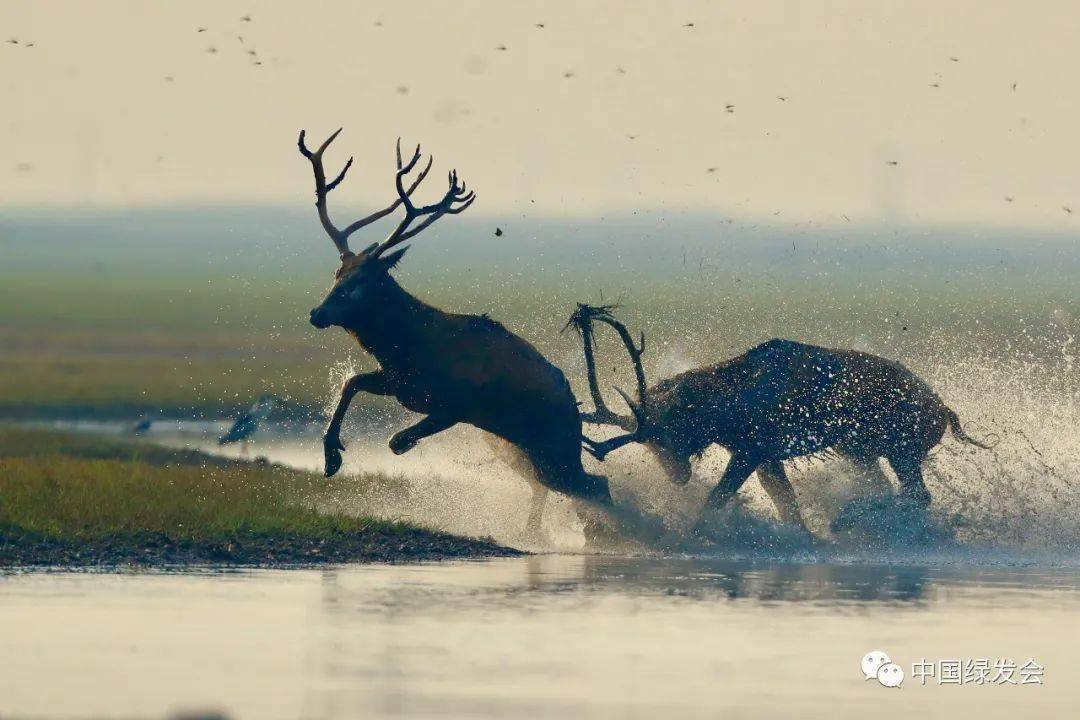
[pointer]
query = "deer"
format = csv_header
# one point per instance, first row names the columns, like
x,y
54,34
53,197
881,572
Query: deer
x,y
452,368
779,400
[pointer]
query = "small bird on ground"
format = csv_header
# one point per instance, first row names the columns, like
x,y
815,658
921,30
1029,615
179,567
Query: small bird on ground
x,y
498,232
1009,198
894,163
729,108
141,426
689,25
1067,209
202,29
246,425
500,47
245,18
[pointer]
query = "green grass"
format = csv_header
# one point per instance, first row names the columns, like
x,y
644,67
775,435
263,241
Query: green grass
x,y
70,499
117,341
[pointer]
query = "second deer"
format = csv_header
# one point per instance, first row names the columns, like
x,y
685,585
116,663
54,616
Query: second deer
x,y
779,400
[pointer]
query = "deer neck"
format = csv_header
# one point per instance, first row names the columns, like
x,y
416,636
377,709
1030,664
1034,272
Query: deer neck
x,y
390,328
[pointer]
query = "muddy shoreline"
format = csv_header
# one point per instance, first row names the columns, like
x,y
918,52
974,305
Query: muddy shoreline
x,y
20,549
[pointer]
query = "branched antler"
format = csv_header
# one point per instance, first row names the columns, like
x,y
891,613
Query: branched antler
x,y
582,320
323,188
456,200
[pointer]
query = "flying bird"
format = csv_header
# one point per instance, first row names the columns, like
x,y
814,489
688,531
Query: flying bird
x,y
781,98
711,169
568,74
729,108
539,25
689,25
500,47
954,58
894,163
935,85
13,41
202,29
632,137
246,18
246,425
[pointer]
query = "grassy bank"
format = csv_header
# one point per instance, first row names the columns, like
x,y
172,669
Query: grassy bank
x,y
84,501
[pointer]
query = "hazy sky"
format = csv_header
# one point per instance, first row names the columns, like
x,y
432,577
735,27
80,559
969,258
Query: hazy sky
x,y
91,116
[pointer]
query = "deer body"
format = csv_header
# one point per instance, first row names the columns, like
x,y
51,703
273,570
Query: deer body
x,y
780,400
451,368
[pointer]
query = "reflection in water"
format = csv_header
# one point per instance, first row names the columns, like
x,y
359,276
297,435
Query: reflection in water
x,y
701,579
541,636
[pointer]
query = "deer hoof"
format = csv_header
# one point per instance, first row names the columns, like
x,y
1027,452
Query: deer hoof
x,y
333,458
401,443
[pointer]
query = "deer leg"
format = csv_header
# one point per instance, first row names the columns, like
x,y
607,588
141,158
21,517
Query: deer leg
x,y
738,471
909,472
372,382
874,478
405,440
774,480
536,509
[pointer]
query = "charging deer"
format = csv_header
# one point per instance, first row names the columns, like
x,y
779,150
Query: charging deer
x,y
452,368
780,400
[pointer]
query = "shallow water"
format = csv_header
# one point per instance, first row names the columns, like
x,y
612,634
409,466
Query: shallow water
x,y
544,636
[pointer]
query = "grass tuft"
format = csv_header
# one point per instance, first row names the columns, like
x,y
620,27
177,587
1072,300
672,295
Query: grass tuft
x,y
70,499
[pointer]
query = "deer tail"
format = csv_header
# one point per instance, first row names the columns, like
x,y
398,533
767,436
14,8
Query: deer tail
x,y
959,434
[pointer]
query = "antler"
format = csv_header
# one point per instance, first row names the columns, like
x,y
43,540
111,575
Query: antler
x,y
455,201
323,188
582,320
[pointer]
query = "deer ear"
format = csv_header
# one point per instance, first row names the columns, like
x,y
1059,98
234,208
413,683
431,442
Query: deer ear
x,y
394,258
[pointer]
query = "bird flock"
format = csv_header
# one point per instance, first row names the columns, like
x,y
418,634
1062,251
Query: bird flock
x,y
255,59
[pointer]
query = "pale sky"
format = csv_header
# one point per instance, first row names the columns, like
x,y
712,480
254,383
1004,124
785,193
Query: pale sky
x,y
544,126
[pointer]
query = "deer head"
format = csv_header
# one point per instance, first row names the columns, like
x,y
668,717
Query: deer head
x,y
364,277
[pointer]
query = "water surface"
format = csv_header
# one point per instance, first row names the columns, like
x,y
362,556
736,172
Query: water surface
x,y
544,636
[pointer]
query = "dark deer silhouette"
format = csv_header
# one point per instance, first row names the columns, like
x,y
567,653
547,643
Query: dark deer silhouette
x,y
453,368
780,400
